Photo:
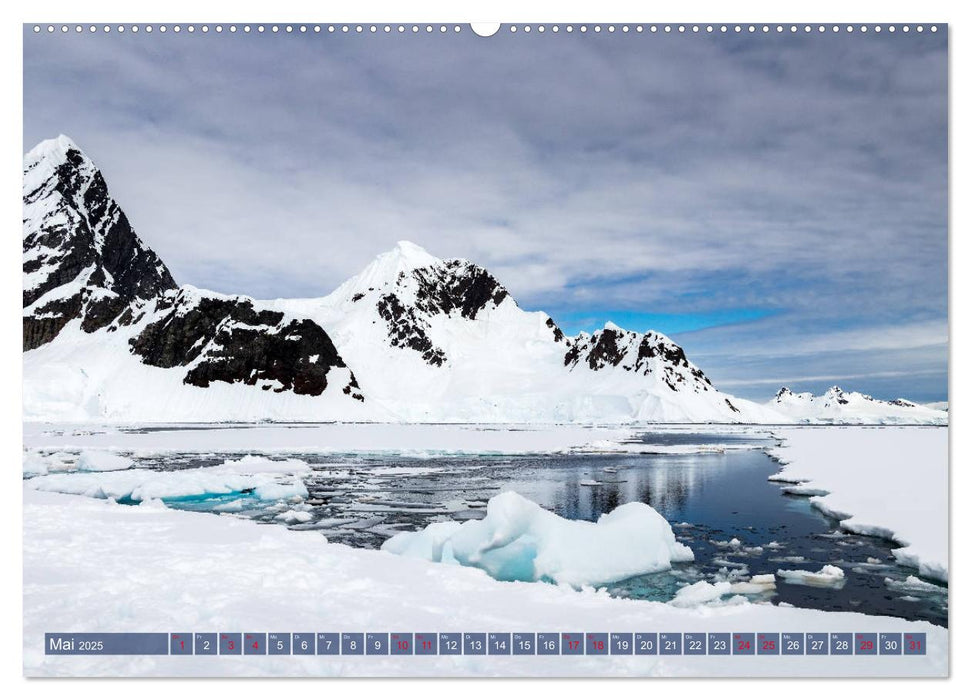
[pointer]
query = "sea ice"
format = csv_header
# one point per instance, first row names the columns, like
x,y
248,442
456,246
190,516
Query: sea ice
x,y
274,577
520,541
886,482
34,465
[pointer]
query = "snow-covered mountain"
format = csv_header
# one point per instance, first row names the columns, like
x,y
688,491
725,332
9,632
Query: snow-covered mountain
x,y
82,260
108,334
839,406
442,340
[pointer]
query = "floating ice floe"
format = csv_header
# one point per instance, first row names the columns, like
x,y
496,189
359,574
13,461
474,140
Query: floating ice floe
x,y
92,461
828,577
295,516
700,593
264,479
234,506
757,585
912,584
705,593
520,541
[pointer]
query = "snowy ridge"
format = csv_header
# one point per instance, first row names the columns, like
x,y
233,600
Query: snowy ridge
x,y
442,340
108,335
839,406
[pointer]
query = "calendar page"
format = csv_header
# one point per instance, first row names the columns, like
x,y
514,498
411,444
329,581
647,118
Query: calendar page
x,y
450,350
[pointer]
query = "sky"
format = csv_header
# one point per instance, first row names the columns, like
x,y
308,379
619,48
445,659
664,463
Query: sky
x,y
775,203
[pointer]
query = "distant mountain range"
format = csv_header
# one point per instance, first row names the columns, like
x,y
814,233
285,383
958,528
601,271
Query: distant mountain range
x,y
838,406
109,335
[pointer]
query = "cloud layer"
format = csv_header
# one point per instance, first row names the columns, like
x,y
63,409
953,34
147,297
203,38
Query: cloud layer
x,y
797,184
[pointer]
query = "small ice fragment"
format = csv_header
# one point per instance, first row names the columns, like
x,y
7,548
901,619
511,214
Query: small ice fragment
x,y
231,507
912,584
700,593
295,516
759,584
828,577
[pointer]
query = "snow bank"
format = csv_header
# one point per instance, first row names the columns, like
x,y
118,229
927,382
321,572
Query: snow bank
x,y
890,482
520,541
828,577
265,479
235,574
89,461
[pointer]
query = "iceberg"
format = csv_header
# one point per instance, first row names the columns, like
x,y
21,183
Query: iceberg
x,y
518,540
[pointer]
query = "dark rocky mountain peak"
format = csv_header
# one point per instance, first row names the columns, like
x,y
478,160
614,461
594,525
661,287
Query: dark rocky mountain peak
x,y
81,257
641,353
83,261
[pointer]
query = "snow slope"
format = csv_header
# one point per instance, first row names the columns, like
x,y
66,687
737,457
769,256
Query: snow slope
x,y
888,482
87,377
839,406
442,340
93,565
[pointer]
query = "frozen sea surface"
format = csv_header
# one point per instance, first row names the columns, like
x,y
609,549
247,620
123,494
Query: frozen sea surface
x,y
712,487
